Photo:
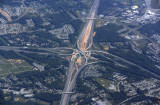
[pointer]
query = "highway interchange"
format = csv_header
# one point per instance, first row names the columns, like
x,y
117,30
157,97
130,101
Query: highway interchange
x,y
80,55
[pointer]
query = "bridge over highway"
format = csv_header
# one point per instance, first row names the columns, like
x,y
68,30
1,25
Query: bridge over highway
x,y
67,92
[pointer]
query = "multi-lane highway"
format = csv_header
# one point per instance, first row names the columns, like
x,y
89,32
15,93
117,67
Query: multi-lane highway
x,y
80,56
85,38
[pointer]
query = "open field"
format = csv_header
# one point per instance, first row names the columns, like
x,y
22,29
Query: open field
x,y
19,99
106,84
43,102
8,66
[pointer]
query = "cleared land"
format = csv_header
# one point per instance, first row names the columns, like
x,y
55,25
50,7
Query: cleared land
x,y
106,84
13,66
5,14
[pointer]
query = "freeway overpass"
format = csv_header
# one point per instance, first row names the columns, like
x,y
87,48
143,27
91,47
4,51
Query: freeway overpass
x,y
67,92
91,18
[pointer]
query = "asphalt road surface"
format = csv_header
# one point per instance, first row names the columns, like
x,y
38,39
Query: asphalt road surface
x,y
80,56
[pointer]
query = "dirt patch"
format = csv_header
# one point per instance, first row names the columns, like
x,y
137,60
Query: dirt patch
x,y
5,14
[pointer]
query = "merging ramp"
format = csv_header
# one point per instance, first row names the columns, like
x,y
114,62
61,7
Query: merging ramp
x,y
81,55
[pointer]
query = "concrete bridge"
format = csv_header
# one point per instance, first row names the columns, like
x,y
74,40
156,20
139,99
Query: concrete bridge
x,y
67,92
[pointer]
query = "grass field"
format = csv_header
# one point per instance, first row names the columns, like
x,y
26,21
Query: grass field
x,y
107,84
43,102
8,66
19,99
